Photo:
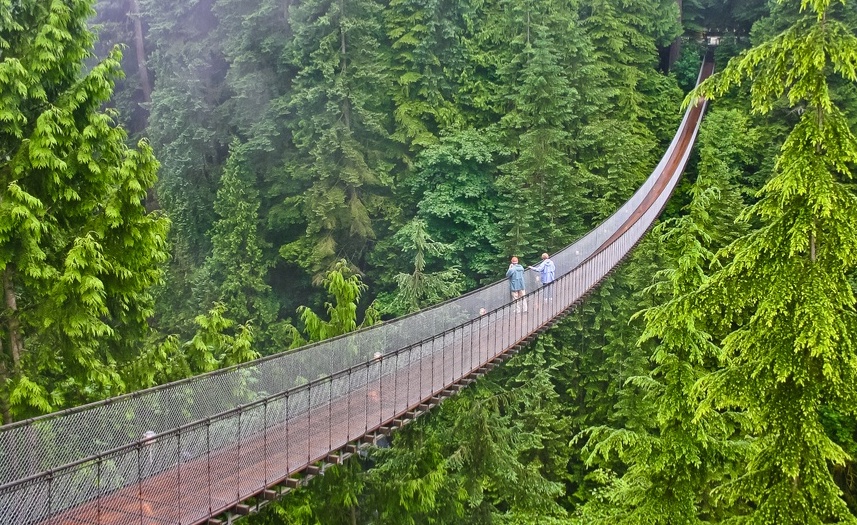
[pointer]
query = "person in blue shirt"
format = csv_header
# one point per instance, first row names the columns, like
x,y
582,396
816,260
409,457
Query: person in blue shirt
x,y
515,273
547,273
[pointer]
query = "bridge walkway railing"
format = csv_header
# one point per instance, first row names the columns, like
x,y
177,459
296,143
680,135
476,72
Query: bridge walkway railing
x,y
185,452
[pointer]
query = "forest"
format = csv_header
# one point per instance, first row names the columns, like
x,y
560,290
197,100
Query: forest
x,y
191,184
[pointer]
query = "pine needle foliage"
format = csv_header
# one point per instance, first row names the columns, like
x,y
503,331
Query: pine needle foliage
x,y
78,251
425,39
346,288
784,287
674,461
420,288
341,129
235,271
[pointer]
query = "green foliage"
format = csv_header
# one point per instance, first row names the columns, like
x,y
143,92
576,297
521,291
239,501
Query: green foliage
x,y
686,69
340,129
540,193
453,182
218,342
410,138
678,454
784,286
427,57
235,272
346,288
78,252
471,463
330,499
420,289
189,134
622,33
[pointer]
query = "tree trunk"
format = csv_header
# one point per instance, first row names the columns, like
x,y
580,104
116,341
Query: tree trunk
x,y
675,47
13,325
140,48
5,411
15,340
343,65
145,82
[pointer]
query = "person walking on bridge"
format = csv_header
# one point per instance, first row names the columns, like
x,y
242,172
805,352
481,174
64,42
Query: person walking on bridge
x,y
547,274
515,273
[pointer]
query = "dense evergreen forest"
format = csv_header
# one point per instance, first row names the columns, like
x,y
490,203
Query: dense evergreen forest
x,y
191,184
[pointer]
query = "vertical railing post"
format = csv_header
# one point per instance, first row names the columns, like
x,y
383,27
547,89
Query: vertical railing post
x,y
238,455
208,462
470,348
348,407
50,480
433,357
368,400
507,336
330,415
308,424
265,440
381,390
461,368
449,379
490,330
140,479
98,497
179,473
286,432
395,357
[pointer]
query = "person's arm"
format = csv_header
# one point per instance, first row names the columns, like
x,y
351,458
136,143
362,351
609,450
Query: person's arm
x,y
538,267
510,271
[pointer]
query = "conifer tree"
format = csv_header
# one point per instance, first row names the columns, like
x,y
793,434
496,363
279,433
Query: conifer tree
x,y
235,272
541,193
454,184
625,35
785,286
78,252
676,458
340,129
346,288
217,342
420,288
426,37
190,137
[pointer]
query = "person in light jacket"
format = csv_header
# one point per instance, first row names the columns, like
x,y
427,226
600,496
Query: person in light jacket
x,y
547,274
515,273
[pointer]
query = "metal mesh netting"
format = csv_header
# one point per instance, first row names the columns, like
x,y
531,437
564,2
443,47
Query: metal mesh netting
x,y
303,404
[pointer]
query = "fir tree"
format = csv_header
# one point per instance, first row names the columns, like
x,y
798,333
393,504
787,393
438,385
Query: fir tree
x,y
346,288
427,40
674,460
235,272
785,285
420,288
217,342
453,182
190,137
625,35
340,129
78,252
541,195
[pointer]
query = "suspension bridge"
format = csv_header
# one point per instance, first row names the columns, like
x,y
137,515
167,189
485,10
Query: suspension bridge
x,y
217,446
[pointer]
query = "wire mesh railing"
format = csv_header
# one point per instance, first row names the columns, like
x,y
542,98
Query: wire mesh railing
x,y
185,451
